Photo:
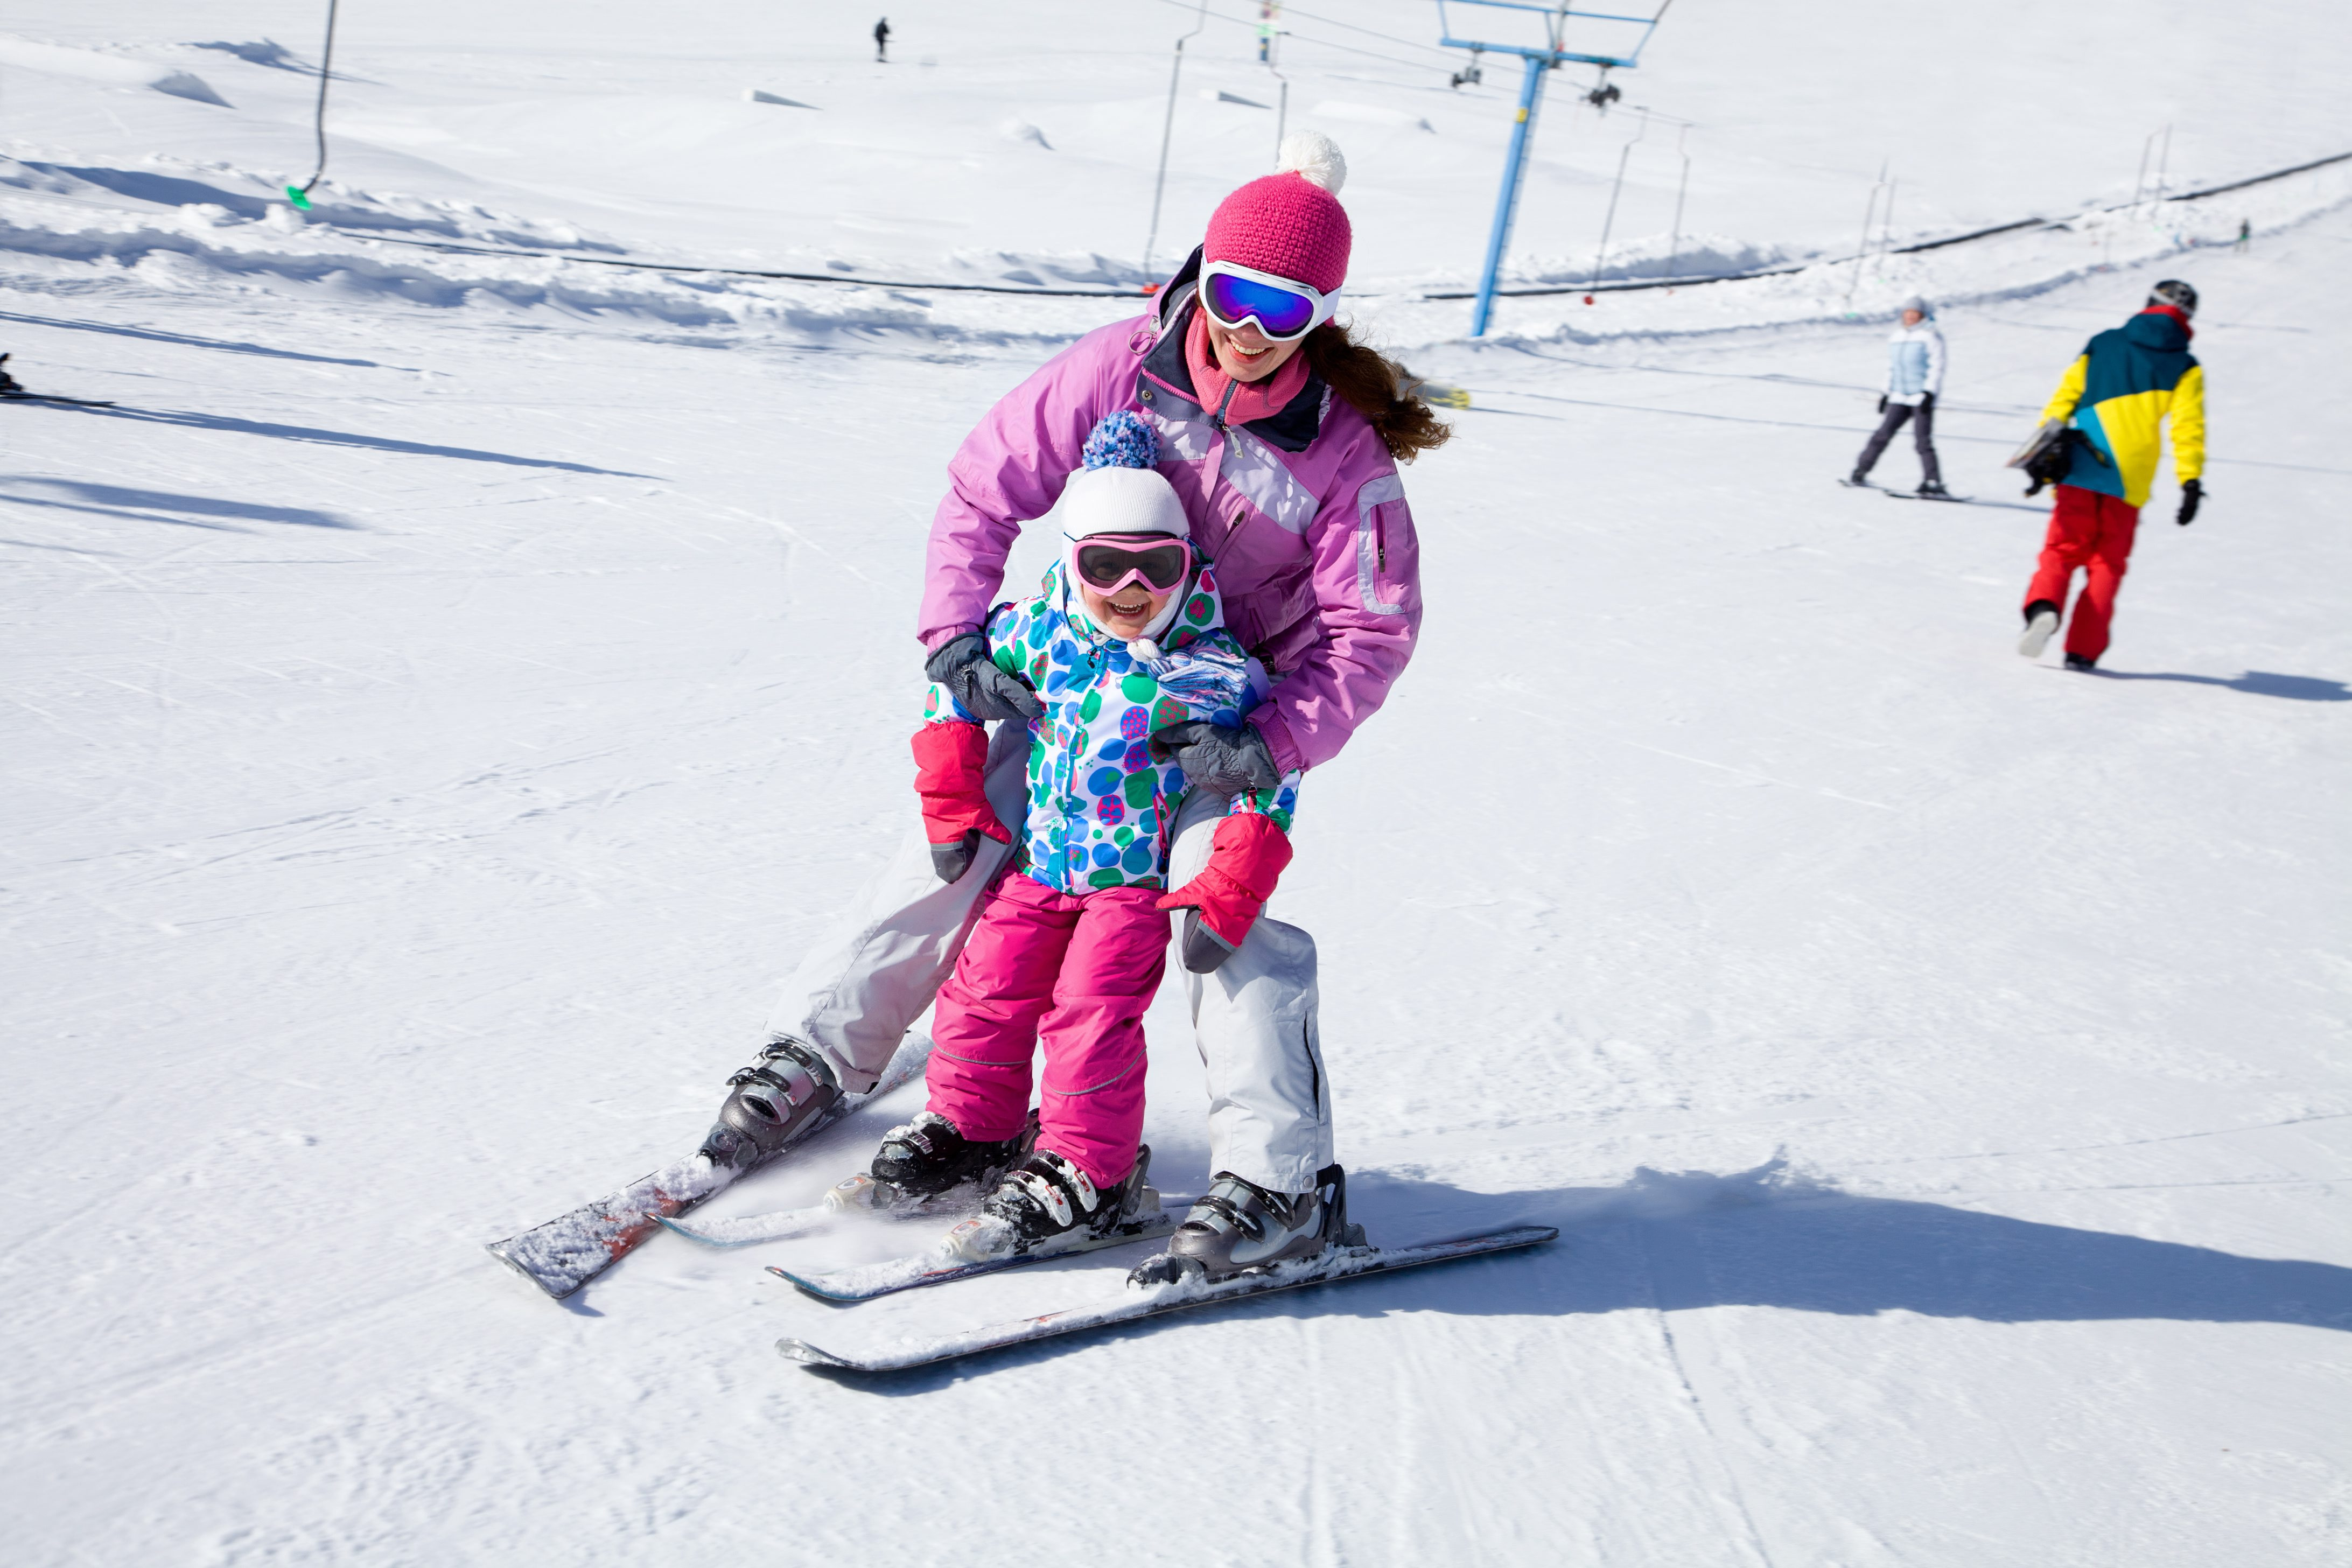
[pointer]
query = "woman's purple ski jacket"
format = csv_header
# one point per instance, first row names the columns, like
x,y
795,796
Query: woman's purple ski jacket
x,y
1303,514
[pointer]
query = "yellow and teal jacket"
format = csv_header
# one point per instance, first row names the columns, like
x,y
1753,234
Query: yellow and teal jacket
x,y
2118,393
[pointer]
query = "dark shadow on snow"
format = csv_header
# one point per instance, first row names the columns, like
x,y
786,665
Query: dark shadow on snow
x,y
1679,1240
2259,682
304,433
151,335
151,506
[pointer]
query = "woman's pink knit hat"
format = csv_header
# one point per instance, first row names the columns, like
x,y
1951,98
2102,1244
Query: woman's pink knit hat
x,y
1290,223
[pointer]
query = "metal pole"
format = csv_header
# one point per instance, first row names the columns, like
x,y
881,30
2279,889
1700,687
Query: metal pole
x,y
1166,131
1675,246
1862,245
1282,113
1507,203
2163,162
1886,220
301,195
2140,179
1610,222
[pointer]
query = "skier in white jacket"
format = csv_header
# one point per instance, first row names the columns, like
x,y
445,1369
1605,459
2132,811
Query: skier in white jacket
x,y
1915,375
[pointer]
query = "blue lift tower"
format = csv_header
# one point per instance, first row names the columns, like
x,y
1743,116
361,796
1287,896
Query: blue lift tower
x,y
1547,56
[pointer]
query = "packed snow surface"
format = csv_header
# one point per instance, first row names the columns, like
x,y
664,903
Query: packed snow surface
x,y
449,688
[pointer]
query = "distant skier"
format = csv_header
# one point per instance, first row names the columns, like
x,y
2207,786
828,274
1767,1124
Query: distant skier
x,y
882,40
1126,639
1915,376
2115,398
2245,234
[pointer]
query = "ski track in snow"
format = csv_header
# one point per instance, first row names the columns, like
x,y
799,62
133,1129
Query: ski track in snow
x,y
448,691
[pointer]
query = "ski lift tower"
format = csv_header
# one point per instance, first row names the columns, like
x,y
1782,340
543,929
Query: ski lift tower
x,y
1548,55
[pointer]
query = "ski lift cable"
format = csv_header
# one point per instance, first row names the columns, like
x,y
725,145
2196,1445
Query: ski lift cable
x,y
1318,43
300,194
1289,11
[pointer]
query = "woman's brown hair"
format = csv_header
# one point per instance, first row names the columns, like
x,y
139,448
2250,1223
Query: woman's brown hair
x,y
1377,387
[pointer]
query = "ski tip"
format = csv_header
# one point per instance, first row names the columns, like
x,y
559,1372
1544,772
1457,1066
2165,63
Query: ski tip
x,y
807,1354
549,1287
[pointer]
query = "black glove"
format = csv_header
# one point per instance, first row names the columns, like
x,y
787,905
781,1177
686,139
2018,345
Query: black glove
x,y
1927,401
1882,402
2193,493
971,677
1223,761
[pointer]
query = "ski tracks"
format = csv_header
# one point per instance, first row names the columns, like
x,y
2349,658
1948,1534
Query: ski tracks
x,y
1670,1260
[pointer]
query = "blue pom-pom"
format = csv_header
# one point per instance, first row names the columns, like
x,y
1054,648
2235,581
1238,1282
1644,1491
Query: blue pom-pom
x,y
1122,440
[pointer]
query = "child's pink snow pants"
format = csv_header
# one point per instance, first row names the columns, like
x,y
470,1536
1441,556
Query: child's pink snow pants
x,y
1077,973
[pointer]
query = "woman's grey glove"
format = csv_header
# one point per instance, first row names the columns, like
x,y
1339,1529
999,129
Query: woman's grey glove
x,y
1223,761
972,678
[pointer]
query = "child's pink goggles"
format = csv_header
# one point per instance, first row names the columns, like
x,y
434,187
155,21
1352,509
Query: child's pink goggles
x,y
1107,565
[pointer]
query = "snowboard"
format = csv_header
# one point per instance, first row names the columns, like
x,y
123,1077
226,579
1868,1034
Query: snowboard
x,y
1137,1304
572,1248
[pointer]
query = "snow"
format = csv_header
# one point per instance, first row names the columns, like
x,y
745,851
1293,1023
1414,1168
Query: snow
x,y
450,689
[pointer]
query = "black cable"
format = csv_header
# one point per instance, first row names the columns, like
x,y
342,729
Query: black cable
x,y
301,195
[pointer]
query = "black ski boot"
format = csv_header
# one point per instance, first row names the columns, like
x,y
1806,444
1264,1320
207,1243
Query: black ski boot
x,y
1046,1203
928,1156
775,1100
1238,1225
9,386
2076,661
1933,489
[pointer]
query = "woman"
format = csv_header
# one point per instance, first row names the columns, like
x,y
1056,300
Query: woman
x,y
1281,435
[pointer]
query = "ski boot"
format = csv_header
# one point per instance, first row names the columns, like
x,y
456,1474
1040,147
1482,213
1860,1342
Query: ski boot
x,y
9,386
2075,662
775,1101
1932,490
2040,621
1238,1225
1046,1202
926,1157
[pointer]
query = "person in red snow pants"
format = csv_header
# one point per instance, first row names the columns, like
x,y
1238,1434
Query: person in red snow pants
x,y
1072,975
2090,531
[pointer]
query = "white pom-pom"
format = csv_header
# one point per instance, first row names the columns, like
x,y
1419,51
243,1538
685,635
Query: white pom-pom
x,y
1315,157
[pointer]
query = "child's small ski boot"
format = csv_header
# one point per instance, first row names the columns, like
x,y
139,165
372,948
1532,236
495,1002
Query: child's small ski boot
x,y
1238,1225
926,1157
1046,1203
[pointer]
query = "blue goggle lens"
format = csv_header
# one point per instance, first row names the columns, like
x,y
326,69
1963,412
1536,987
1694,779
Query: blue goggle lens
x,y
1280,311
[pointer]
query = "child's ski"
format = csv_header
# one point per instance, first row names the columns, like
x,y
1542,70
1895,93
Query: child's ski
x,y
1136,1303
938,1265
570,1249
1917,495
858,1198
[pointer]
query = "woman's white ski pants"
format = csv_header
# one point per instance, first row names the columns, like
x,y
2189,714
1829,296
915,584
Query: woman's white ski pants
x,y
858,992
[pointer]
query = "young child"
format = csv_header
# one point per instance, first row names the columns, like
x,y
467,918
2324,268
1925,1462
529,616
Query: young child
x,y
1125,638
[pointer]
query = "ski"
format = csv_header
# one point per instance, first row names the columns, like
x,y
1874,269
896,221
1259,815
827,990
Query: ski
x,y
938,1265
1858,484
851,1199
1915,495
13,390
570,1249
1137,1304
46,397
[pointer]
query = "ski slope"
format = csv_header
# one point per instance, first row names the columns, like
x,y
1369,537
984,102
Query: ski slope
x,y
449,690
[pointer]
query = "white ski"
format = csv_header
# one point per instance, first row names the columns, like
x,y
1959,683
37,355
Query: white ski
x,y
1149,1302
938,1265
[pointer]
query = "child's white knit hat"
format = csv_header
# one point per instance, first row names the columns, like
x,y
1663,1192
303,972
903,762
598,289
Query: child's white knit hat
x,y
1118,490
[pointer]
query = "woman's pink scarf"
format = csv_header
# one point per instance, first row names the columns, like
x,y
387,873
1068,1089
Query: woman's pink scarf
x,y
1251,399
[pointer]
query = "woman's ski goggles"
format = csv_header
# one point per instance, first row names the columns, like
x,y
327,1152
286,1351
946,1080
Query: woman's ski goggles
x,y
1107,568
1283,312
